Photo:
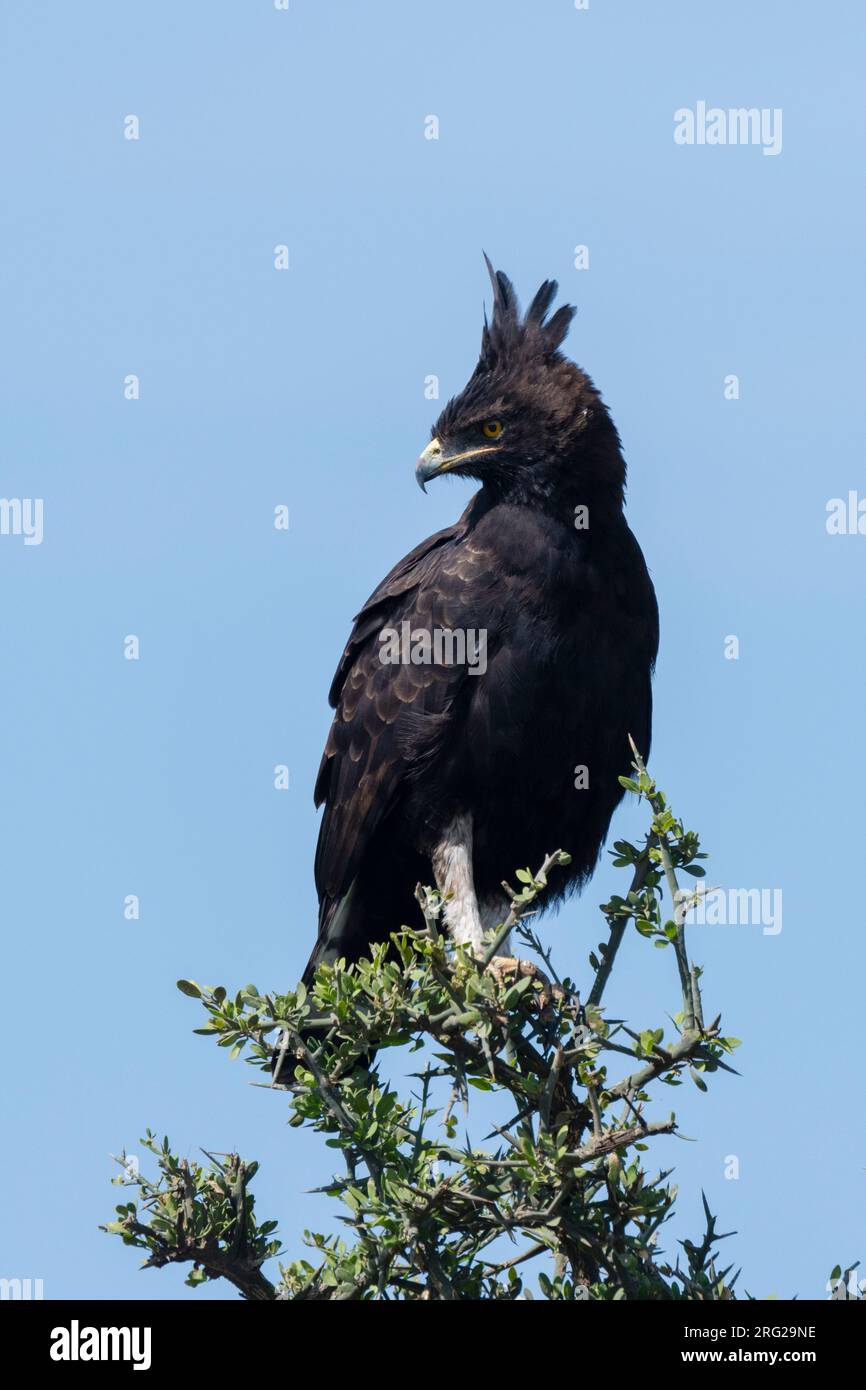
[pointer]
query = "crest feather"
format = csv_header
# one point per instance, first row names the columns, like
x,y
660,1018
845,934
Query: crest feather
x,y
507,335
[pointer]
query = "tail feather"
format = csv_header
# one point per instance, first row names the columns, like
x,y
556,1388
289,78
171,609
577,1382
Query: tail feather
x,y
376,904
338,933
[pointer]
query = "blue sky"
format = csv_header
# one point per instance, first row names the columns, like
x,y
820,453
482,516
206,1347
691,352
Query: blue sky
x,y
306,387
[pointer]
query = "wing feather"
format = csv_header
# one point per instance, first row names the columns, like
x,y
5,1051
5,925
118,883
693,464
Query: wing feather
x,y
389,719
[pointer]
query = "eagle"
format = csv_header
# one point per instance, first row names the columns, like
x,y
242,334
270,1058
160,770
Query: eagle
x,y
484,701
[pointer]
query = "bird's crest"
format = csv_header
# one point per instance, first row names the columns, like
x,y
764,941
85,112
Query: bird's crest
x,y
508,335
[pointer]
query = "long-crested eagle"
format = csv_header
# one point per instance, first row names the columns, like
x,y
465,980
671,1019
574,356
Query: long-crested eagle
x,y
485,698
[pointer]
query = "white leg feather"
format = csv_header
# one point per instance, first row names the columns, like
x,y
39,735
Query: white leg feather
x,y
452,869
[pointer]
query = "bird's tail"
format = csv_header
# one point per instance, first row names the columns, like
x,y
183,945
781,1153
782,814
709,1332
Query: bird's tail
x,y
374,906
342,935
338,933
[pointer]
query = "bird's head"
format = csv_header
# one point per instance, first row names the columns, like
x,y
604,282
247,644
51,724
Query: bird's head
x,y
528,423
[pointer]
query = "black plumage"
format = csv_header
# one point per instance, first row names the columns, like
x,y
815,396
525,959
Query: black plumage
x,y
571,625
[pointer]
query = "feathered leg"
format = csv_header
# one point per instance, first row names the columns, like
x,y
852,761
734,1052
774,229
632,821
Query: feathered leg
x,y
452,870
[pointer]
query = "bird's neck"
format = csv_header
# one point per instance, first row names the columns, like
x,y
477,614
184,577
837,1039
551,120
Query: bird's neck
x,y
596,485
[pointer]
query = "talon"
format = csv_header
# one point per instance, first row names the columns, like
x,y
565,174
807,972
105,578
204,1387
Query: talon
x,y
503,966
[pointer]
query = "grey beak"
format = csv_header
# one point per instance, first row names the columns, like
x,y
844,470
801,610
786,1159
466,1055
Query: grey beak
x,y
429,464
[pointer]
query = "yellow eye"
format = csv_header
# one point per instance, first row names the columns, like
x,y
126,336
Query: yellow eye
x,y
492,429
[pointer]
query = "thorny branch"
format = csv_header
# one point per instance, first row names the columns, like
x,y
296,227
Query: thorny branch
x,y
427,1212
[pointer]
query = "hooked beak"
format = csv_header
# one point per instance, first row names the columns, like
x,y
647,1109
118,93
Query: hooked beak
x,y
435,460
